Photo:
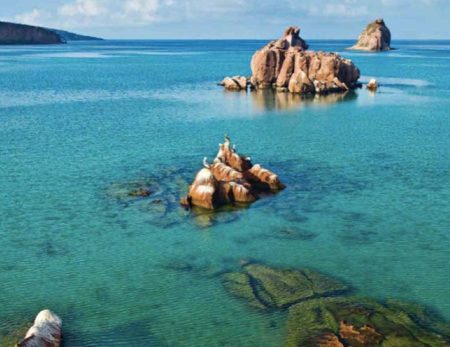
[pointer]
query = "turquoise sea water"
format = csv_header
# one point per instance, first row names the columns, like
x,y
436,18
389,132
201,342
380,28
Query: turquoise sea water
x,y
367,198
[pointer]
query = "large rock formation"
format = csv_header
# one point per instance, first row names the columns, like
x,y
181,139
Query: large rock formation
x,y
375,37
286,65
45,332
20,34
231,178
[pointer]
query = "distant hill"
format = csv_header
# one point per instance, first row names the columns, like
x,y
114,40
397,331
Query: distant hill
x,y
21,34
68,36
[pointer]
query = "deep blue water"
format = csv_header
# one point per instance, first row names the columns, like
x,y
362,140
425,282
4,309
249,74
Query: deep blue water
x,y
367,175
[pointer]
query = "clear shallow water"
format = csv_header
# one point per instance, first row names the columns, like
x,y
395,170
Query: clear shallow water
x,y
368,187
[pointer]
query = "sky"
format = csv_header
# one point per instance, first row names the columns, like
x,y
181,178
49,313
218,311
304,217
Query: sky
x,y
228,19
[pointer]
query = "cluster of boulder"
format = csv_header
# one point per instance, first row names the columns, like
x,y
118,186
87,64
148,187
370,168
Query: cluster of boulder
x,y
231,178
320,314
286,65
375,37
45,332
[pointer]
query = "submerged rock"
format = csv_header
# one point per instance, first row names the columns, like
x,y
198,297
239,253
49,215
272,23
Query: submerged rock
x,y
348,321
141,192
286,65
231,179
264,287
321,315
16,333
45,332
375,37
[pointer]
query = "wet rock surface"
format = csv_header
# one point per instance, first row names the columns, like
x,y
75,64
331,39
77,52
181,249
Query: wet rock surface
x,y
375,37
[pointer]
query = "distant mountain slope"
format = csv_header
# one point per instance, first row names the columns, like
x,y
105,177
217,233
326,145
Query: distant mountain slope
x,y
68,36
21,34
11,33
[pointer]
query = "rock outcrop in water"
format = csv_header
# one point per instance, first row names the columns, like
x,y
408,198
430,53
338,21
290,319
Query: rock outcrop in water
x,y
321,315
45,332
372,85
375,37
235,83
21,34
286,65
231,178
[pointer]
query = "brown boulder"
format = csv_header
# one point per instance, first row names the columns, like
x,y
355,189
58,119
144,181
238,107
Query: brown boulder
x,y
234,83
375,37
264,179
204,191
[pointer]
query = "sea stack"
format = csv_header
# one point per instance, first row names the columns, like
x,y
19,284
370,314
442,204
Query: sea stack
x,y
287,66
375,37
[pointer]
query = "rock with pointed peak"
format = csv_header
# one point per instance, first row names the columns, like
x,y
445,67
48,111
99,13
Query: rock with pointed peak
x,y
286,65
375,37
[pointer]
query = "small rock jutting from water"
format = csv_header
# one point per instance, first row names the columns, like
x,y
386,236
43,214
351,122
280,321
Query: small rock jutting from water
x,y
372,85
321,314
45,332
231,178
375,37
287,66
235,83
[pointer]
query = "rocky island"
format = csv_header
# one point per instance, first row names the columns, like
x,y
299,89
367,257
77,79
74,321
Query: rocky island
x,y
231,178
287,66
21,34
375,37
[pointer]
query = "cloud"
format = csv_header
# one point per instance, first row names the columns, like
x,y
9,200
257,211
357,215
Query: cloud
x,y
141,11
247,18
31,18
85,8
